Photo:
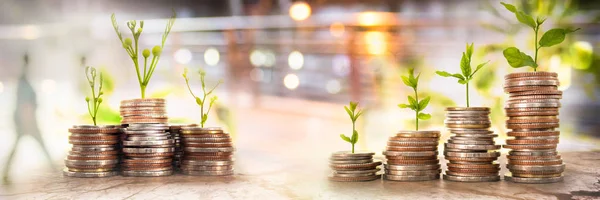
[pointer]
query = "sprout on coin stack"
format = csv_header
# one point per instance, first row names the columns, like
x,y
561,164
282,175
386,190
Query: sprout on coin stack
x,y
95,148
148,146
351,166
532,110
471,151
207,151
412,155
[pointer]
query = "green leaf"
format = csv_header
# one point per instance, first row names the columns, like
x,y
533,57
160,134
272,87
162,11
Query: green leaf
x,y
413,102
204,117
354,137
517,58
525,19
198,101
415,81
360,112
539,20
554,36
424,116
348,111
479,67
469,50
465,65
403,105
446,74
463,81
509,7
406,81
353,106
347,139
423,103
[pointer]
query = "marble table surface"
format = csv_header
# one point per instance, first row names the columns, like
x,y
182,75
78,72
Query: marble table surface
x,y
271,179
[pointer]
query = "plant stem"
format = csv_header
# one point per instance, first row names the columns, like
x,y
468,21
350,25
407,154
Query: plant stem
x,y
467,94
143,90
417,112
353,130
537,28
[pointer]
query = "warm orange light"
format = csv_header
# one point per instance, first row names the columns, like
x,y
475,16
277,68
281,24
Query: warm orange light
x,y
337,29
300,11
376,42
369,19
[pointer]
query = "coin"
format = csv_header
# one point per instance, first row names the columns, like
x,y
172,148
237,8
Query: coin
x,y
411,178
472,178
90,162
534,146
426,148
537,168
201,149
536,162
351,161
414,173
411,167
474,166
473,154
530,74
66,172
355,179
534,180
531,142
357,171
531,175
522,133
352,175
412,162
467,109
536,92
355,166
512,83
206,167
410,153
208,173
472,142
419,134
411,144
528,88
472,147
533,152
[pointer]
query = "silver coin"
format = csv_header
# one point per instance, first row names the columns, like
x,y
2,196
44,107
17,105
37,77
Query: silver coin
x,y
533,152
93,135
413,173
205,167
471,138
472,142
66,172
84,126
211,139
472,178
472,147
537,168
348,158
534,180
352,175
350,154
531,82
372,165
144,132
484,131
533,105
147,173
350,161
197,128
144,138
474,122
472,174
207,173
538,138
90,162
148,150
357,171
410,153
207,162
473,155
476,135
410,178
93,148
488,165
412,143
468,112
148,143
411,167
355,179
211,149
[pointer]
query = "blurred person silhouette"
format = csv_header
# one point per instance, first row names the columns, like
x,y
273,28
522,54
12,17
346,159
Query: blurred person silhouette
x,y
25,119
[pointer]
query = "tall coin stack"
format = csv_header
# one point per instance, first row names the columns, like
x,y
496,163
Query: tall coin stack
x,y
175,131
471,151
412,156
206,152
354,167
147,145
95,151
532,111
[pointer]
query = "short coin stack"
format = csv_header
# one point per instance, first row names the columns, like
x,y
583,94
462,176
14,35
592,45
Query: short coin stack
x,y
206,152
175,131
95,151
532,110
148,150
143,111
354,167
412,156
471,151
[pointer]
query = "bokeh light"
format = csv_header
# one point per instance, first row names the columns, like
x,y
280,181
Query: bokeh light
x,y
376,42
333,86
337,29
296,60
211,56
291,81
257,58
183,56
300,11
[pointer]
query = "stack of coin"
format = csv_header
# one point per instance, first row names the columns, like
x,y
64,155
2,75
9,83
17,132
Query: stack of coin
x,y
143,111
471,151
532,110
148,150
354,167
95,151
206,152
412,156
175,131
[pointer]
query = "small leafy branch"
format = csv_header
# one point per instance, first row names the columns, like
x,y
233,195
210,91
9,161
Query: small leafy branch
x,y
552,37
465,67
413,102
352,112
93,103
131,46
205,94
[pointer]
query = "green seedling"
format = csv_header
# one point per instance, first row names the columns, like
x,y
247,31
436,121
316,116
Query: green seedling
x,y
354,114
93,103
131,47
515,57
413,102
201,100
466,69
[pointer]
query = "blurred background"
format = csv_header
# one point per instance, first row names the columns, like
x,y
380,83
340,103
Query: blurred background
x,y
288,68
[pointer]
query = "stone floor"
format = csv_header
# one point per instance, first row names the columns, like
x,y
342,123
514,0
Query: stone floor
x,y
303,180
